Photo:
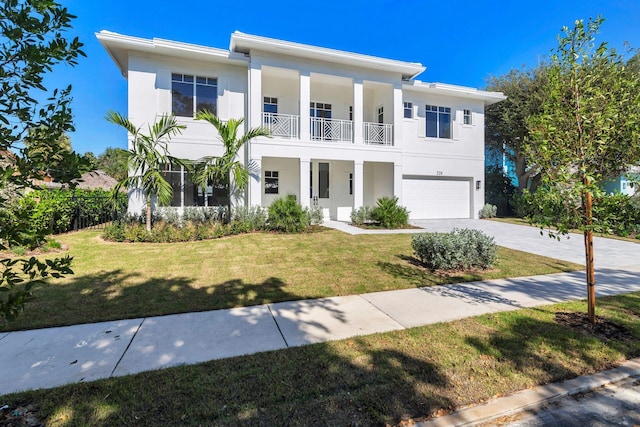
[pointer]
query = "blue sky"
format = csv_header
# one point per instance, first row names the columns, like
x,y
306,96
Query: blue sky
x,y
460,42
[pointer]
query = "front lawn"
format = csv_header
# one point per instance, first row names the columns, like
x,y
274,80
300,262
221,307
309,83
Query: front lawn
x,y
127,280
371,380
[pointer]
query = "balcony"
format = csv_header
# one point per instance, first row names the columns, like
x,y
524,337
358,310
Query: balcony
x,y
377,133
281,125
331,130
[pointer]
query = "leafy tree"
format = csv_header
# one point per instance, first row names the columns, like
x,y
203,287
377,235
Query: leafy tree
x,y
114,162
32,42
222,169
507,131
147,159
589,127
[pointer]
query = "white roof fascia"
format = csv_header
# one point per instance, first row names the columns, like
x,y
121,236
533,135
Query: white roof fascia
x,y
118,46
454,90
241,42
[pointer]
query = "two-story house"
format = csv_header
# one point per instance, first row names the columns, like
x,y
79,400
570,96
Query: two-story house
x,y
346,128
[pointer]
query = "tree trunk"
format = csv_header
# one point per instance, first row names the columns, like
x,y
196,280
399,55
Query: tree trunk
x,y
588,246
229,199
148,215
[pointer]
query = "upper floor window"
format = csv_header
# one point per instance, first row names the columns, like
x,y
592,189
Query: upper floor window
x,y
467,117
438,121
190,94
408,110
270,105
351,112
318,109
381,114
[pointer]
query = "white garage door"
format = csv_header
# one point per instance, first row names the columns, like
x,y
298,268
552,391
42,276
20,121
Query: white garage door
x,y
436,198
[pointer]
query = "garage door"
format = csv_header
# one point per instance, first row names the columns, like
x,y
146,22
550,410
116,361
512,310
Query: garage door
x,y
430,198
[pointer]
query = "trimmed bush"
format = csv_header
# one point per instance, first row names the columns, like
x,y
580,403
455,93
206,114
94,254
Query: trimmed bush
x,y
488,211
460,249
361,216
285,214
316,217
389,214
246,219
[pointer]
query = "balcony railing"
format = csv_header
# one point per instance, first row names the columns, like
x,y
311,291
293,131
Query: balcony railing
x,y
331,129
378,133
281,125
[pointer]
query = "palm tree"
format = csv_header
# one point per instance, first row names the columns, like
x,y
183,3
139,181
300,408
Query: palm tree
x,y
147,158
220,169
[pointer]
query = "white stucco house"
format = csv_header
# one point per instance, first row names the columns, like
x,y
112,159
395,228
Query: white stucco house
x,y
347,128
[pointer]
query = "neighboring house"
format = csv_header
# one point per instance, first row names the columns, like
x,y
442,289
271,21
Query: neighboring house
x,y
495,158
92,180
347,128
625,184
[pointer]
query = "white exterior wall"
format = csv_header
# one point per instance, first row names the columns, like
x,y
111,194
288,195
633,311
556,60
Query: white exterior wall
x,y
377,170
288,178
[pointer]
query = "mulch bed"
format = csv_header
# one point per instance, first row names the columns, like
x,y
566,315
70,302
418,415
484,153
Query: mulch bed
x,y
603,329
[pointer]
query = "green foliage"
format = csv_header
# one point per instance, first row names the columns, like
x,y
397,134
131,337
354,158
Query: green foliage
x,y
619,213
33,42
498,190
488,211
460,249
220,170
285,214
147,158
506,121
361,216
389,214
316,217
592,104
247,219
114,163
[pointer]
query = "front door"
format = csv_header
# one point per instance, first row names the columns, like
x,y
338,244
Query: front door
x,y
320,191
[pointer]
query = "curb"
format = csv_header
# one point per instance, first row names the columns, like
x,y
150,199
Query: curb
x,y
533,398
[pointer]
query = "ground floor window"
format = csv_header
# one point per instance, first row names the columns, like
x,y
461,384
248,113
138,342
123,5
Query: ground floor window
x,y
271,182
187,193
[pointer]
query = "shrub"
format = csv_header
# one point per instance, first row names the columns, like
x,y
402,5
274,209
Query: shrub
x,y
389,214
361,216
114,231
315,215
460,249
488,211
246,219
285,214
617,214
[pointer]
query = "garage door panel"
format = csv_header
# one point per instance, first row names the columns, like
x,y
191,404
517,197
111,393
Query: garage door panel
x,y
437,198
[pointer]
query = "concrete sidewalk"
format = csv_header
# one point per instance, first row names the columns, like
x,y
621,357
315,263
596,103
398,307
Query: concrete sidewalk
x,y
55,356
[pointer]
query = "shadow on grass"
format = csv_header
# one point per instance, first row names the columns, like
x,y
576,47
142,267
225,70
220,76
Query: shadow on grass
x,y
116,294
346,384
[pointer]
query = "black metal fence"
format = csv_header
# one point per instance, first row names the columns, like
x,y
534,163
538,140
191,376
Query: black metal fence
x,y
92,211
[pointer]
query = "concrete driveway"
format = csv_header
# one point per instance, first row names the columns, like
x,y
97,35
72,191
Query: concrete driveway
x,y
609,253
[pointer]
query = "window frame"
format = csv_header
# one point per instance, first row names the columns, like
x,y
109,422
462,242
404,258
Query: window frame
x,y
270,101
273,177
408,107
467,117
441,113
195,82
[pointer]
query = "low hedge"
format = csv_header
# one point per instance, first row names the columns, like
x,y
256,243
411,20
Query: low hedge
x,y
461,249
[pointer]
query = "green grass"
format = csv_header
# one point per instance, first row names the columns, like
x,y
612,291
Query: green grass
x,y
371,380
115,280
127,280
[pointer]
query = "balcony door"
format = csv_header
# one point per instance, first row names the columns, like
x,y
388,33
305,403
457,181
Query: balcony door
x,y
320,185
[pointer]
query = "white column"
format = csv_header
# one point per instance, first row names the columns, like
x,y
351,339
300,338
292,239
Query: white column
x,y
255,182
398,115
358,112
305,100
304,201
255,96
358,184
397,182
